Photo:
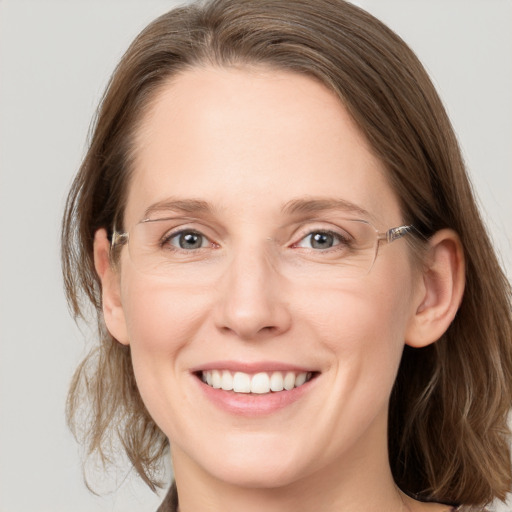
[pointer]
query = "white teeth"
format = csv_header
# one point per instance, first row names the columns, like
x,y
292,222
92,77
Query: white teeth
x,y
241,383
226,381
276,382
259,383
289,381
216,379
300,379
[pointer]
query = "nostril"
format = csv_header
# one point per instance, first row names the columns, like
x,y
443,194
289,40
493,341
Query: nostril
x,y
249,333
250,308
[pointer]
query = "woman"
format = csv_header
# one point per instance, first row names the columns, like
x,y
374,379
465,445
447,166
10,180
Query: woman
x,y
294,288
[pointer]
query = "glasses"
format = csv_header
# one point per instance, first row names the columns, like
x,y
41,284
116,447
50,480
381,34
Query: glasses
x,y
157,246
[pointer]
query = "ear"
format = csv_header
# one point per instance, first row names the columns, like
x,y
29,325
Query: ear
x,y
440,296
110,288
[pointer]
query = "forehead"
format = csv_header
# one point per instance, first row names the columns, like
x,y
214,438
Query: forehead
x,y
252,137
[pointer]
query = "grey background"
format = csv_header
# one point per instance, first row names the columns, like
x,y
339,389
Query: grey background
x,y
55,59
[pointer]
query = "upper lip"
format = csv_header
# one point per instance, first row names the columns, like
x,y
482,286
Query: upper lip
x,y
251,367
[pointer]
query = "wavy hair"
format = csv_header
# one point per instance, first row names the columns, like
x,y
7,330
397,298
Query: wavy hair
x,y
448,434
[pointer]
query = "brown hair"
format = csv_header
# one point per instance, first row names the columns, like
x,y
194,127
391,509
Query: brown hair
x,y
448,435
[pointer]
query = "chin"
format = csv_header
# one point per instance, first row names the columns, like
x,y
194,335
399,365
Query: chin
x,y
267,463
258,476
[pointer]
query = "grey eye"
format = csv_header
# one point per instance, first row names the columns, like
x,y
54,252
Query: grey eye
x,y
320,240
188,240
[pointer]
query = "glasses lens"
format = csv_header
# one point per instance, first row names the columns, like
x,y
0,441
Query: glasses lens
x,y
357,247
157,246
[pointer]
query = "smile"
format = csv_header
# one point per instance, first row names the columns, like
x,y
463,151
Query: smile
x,y
259,383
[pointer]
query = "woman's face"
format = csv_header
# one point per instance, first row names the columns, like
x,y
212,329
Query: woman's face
x,y
257,169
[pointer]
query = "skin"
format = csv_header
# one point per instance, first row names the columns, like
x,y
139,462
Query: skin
x,y
248,141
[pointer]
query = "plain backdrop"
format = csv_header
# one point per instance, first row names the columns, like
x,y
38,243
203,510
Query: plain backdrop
x,y
55,60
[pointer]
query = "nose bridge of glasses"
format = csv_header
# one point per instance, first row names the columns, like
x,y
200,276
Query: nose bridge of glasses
x,y
250,283
254,259
251,293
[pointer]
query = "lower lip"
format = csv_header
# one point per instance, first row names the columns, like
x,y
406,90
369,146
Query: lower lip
x,y
253,404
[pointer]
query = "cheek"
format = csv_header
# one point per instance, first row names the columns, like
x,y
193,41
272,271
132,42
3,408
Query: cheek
x,y
363,330
161,322
356,315
160,319
362,327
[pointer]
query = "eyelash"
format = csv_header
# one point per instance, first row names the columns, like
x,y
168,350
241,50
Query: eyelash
x,y
166,239
340,240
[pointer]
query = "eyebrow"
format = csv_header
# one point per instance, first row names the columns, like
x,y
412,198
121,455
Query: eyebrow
x,y
313,205
299,206
178,206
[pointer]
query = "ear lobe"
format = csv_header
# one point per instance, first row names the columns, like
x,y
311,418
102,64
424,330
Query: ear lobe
x,y
110,288
442,291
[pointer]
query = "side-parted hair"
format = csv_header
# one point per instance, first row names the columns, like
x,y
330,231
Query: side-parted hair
x,y
448,434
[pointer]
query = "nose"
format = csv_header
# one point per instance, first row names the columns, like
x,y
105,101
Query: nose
x,y
252,297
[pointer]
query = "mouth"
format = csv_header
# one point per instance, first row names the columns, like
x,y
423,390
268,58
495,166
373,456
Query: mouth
x,y
261,383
